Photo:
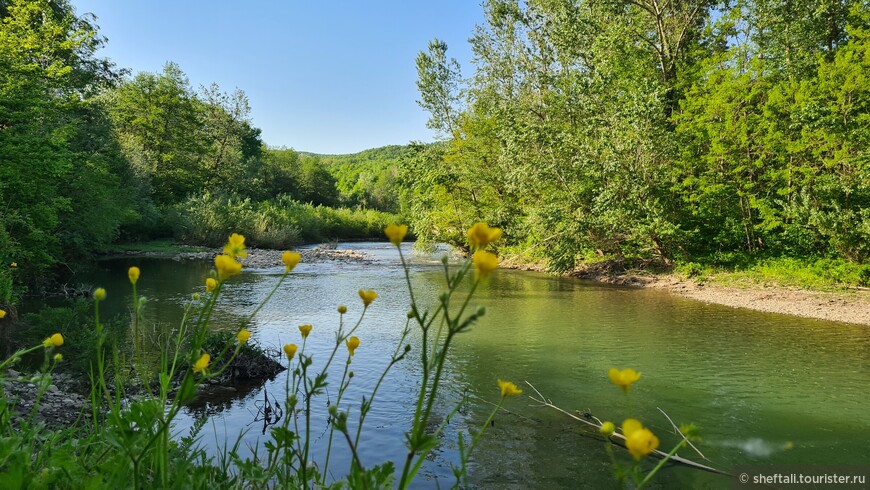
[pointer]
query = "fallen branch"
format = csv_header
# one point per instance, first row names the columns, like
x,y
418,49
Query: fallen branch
x,y
620,439
678,431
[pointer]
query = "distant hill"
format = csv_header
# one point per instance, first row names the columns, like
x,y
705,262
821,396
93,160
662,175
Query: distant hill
x,y
367,179
383,154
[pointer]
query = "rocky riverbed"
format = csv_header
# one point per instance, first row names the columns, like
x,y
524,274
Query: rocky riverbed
x,y
261,258
58,407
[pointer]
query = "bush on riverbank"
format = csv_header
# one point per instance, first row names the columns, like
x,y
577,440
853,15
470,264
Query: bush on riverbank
x,y
276,223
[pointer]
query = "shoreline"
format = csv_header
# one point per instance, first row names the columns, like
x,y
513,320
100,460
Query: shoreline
x,y
847,306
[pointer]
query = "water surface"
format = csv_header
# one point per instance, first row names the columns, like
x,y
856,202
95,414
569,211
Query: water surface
x,y
765,389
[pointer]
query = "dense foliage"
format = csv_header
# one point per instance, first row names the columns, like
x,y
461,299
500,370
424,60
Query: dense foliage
x,y
90,154
698,131
368,178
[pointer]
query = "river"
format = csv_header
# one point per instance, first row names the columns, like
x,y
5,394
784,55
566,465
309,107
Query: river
x,y
764,389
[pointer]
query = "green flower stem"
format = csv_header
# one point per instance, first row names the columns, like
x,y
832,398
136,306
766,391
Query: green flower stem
x,y
269,296
477,436
342,386
661,463
364,409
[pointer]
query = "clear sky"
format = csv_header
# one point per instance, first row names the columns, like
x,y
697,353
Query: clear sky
x,y
323,76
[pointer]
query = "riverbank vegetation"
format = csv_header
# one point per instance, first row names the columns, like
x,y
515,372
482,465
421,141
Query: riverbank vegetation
x,y
710,135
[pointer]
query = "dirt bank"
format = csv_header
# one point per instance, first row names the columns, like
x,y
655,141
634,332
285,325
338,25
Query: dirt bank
x,y
850,306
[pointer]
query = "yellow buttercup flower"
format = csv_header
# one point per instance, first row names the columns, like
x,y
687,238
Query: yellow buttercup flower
x,y
235,246
480,235
607,428
639,440
201,364
484,262
396,233
55,340
508,389
290,351
13,264
367,296
342,309
2,313
305,329
226,266
352,343
99,294
210,284
133,274
290,260
243,336
623,378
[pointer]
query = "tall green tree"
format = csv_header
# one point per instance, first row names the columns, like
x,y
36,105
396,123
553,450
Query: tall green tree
x,y
59,167
158,121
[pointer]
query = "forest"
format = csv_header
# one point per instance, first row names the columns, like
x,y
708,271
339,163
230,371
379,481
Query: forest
x,y
697,132
640,132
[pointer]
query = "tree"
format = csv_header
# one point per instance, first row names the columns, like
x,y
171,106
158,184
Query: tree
x,y
59,186
438,82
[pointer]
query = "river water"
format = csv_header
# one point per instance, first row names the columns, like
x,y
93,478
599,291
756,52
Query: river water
x,y
765,389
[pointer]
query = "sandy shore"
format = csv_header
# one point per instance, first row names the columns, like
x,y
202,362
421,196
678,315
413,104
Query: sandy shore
x,y
850,306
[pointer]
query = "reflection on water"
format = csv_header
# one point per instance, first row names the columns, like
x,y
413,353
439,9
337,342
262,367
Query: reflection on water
x,y
765,389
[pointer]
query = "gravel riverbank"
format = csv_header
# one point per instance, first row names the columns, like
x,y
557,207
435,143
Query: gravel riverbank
x,y
849,306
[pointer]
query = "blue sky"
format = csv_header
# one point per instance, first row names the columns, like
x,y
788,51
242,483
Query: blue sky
x,y
327,77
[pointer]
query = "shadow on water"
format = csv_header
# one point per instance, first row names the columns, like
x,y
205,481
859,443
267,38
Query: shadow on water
x,y
265,409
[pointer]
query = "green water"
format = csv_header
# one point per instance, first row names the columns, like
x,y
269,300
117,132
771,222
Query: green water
x,y
765,389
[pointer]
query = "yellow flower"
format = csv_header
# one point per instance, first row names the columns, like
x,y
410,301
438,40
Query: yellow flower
x,y
235,246
13,264
507,388
342,309
210,284
290,351
639,440
607,428
58,357
99,294
305,329
226,266
623,378
133,274
243,336
2,313
351,343
55,340
396,233
201,364
367,296
290,260
480,235
484,262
